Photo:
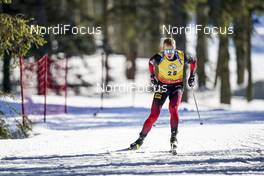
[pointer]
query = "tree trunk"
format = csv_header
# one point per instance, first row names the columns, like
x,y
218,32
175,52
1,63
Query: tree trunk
x,y
6,59
223,59
201,47
222,71
131,50
131,61
217,71
223,56
241,54
240,40
6,73
41,17
249,65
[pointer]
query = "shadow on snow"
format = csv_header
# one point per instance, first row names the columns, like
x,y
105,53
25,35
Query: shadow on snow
x,y
119,162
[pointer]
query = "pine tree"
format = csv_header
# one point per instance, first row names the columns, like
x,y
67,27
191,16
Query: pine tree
x,y
16,40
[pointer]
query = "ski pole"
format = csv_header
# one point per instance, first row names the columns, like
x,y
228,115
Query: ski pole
x,y
201,123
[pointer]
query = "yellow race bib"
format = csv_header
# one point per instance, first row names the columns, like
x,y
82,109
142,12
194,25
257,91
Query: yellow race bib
x,y
170,72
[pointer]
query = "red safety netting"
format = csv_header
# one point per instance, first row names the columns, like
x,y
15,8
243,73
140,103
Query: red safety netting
x,y
47,76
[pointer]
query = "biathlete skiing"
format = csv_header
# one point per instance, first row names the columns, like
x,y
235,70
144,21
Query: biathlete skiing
x,y
166,69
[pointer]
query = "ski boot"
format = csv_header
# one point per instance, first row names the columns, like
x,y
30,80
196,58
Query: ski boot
x,y
137,144
173,142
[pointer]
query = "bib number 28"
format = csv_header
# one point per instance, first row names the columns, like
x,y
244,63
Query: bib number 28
x,y
172,73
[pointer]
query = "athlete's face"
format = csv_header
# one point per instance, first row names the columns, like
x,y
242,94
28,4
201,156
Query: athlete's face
x,y
169,51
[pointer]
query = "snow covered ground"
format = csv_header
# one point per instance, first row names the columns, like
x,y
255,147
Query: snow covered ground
x,y
231,141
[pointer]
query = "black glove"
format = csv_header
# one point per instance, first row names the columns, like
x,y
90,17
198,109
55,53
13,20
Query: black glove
x,y
191,80
154,80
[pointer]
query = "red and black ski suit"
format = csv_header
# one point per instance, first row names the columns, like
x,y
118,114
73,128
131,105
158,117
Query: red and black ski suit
x,y
174,92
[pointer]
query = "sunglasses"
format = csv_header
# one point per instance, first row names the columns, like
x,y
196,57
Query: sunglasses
x,y
169,51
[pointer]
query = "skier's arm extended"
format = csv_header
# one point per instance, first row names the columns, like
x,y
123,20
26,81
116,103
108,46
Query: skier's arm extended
x,y
193,65
192,61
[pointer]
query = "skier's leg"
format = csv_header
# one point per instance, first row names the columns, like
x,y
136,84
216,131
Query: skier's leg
x,y
158,101
175,100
